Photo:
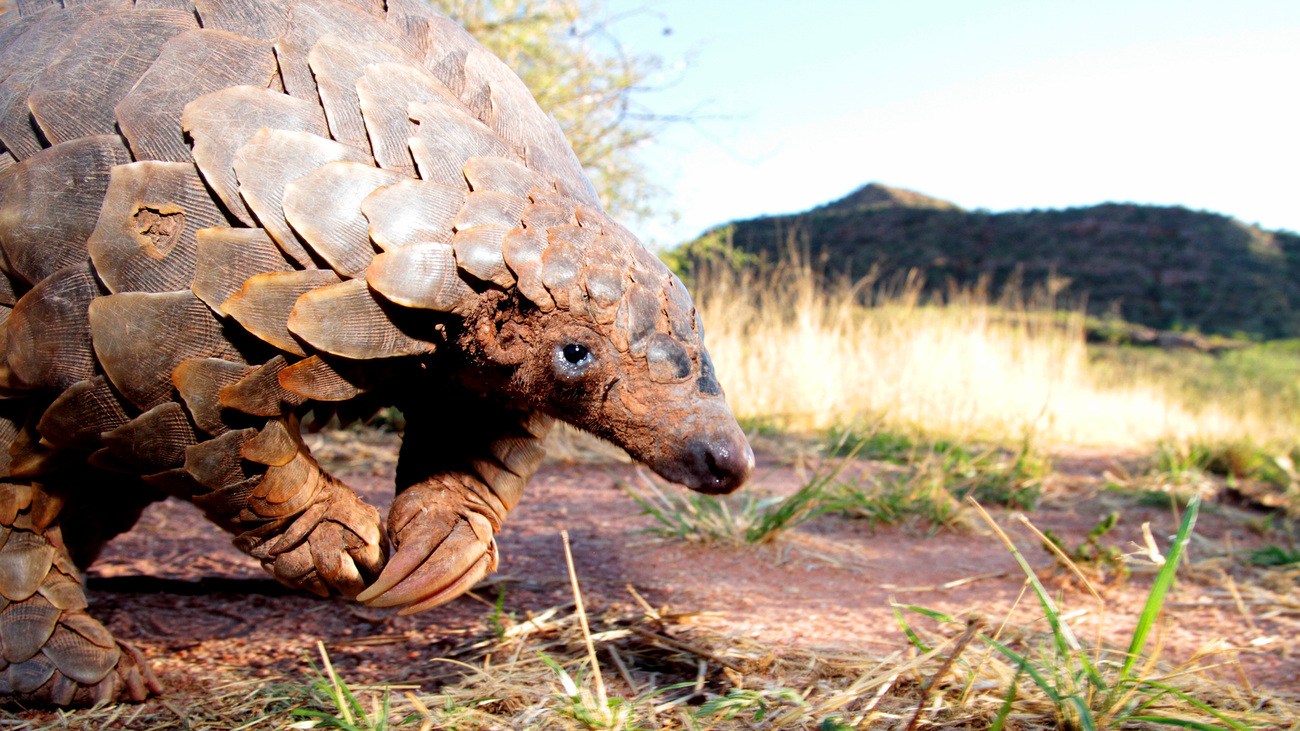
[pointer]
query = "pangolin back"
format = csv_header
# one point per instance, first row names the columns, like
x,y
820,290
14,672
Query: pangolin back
x,y
233,205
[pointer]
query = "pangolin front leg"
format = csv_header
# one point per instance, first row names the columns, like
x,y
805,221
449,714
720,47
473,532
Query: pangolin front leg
x,y
51,650
308,529
462,469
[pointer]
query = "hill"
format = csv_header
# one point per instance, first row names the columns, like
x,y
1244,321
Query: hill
x,y
1164,267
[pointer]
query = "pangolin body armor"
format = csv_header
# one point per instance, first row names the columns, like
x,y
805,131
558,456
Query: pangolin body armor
x,y
220,215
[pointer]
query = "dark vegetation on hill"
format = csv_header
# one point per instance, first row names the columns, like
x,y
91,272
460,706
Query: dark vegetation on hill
x,y
1168,268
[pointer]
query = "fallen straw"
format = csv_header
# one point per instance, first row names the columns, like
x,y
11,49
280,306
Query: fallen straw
x,y
335,683
586,631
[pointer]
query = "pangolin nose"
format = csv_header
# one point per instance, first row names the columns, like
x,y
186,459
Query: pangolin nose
x,y
722,465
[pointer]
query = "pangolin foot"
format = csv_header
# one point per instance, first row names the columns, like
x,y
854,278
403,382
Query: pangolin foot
x,y
77,663
335,543
443,544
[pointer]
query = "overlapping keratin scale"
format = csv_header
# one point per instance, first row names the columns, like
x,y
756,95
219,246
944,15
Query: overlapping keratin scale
x,y
449,46
274,445
501,100
263,305
504,485
44,221
384,91
175,482
412,17
562,263
27,456
422,276
192,64
522,251
285,489
224,121
77,657
495,95
500,239
45,344
478,252
145,240
140,338
520,452
446,137
324,207
505,176
268,162
199,382
75,96
346,320
228,257
558,158
223,504
512,114
62,590
216,463
320,379
13,25
490,207
81,413
35,44
24,564
606,281
46,638
261,20
155,440
336,65
412,211
311,19
595,269
260,393
26,624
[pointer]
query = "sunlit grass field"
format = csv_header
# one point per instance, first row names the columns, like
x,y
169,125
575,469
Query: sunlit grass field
x,y
795,353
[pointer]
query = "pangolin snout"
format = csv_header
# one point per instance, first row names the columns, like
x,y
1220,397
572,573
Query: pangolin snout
x,y
718,465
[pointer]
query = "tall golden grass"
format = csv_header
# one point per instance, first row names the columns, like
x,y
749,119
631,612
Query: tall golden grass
x,y
801,354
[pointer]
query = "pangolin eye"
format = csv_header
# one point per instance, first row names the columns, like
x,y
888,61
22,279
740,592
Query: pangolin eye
x,y
575,353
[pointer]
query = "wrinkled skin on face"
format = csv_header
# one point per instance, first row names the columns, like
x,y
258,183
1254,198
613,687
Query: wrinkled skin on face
x,y
663,405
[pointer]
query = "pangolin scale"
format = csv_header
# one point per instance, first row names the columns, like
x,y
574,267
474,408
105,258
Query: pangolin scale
x,y
218,216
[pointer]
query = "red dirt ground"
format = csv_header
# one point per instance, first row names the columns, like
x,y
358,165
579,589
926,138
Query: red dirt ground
x,y
176,587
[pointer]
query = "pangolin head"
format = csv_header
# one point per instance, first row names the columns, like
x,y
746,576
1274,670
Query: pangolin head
x,y
577,319
599,333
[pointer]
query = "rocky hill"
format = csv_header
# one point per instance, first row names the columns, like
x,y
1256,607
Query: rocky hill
x,y
1163,267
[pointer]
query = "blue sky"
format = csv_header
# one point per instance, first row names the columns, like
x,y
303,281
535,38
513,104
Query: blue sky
x,y
989,104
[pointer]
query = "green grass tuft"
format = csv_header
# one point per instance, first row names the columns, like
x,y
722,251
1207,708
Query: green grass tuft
x,y
748,518
925,488
1093,688
337,706
1275,556
1091,553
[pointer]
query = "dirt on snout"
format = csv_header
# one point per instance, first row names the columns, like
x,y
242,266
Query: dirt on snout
x,y
203,612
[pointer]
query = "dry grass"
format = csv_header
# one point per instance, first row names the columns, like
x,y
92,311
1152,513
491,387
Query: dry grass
x,y
668,670
660,669
801,355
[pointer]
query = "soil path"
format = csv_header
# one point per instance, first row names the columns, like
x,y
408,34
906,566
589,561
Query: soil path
x,y
175,586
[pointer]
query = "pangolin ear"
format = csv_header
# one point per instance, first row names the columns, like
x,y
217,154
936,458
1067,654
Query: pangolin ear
x,y
501,341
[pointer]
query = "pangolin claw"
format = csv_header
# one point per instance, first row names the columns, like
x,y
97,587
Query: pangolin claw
x,y
441,550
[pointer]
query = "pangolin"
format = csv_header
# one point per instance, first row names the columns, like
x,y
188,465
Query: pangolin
x,y
218,216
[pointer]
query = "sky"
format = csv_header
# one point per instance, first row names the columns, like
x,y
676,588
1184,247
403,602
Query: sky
x,y
989,104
